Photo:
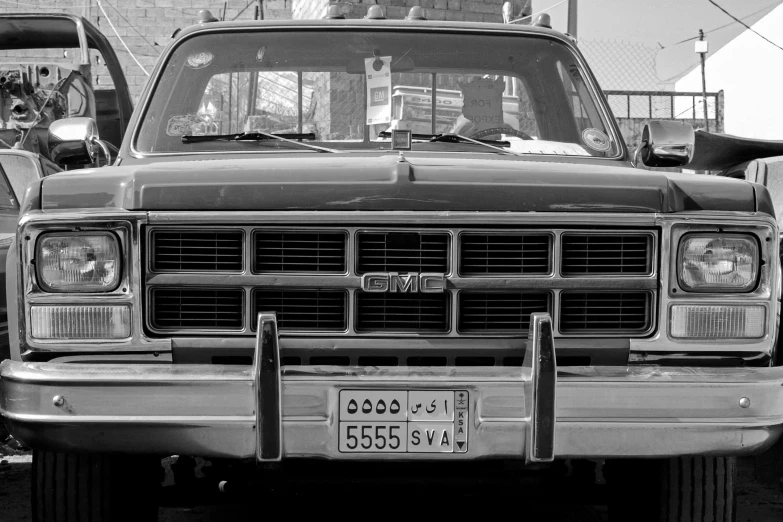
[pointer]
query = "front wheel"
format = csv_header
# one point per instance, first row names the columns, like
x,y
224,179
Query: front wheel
x,y
73,487
693,489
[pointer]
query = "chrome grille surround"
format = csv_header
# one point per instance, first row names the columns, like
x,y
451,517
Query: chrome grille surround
x,y
551,284
133,228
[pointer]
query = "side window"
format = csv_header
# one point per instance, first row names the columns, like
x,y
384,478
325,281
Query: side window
x,y
20,171
7,199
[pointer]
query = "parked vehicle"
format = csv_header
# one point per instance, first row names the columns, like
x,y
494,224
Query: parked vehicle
x,y
270,272
18,168
33,94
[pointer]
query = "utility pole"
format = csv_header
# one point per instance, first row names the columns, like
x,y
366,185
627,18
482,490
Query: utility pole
x,y
572,18
702,47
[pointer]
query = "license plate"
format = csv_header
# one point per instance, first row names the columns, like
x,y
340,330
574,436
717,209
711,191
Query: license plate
x,y
396,421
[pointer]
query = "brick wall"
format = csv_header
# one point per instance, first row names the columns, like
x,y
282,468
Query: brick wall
x,y
146,25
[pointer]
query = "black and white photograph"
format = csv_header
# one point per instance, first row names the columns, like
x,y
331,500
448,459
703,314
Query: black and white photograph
x,y
391,259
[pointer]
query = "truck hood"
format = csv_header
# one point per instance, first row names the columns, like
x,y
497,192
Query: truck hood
x,y
391,182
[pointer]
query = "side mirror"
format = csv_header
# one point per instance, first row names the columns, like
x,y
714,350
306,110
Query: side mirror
x,y
74,141
666,144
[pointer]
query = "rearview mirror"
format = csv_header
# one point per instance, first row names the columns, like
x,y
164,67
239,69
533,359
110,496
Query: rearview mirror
x,y
73,141
403,64
666,144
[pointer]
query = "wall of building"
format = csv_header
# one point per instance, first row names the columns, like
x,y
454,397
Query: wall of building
x,y
146,26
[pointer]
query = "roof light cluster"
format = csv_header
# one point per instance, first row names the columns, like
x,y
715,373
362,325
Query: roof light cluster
x,y
375,12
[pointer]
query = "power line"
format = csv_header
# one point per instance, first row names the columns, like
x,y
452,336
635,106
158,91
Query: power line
x,y
751,15
120,38
243,10
538,13
133,27
694,64
746,25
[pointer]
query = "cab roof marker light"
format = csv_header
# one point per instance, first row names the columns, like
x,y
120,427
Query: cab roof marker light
x,y
543,20
375,12
334,13
416,13
205,16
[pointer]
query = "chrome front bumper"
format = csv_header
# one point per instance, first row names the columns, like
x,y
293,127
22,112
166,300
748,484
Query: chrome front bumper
x,y
267,413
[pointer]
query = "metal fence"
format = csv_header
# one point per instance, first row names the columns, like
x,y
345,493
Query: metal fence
x,y
666,105
633,109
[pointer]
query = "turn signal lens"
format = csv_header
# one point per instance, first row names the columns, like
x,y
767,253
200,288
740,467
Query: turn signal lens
x,y
78,262
80,322
717,322
718,263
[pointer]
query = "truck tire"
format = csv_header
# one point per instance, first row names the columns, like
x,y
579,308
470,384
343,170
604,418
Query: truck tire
x,y
73,487
683,489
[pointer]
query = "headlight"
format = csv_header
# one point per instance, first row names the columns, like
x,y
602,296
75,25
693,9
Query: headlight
x,y
718,263
78,262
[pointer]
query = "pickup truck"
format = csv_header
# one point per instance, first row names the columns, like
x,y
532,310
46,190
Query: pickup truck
x,y
273,273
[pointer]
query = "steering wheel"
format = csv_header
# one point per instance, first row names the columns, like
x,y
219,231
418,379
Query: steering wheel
x,y
499,130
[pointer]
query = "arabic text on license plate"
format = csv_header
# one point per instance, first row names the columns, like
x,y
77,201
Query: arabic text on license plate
x,y
419,421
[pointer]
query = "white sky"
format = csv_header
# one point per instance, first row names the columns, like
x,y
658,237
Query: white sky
x,y
659,23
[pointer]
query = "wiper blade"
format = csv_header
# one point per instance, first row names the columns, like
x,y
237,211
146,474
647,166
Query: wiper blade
x,y
459,138
452,138
239,136
259,136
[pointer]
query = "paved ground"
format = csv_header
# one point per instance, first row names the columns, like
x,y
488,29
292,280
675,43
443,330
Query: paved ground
x,y
758,502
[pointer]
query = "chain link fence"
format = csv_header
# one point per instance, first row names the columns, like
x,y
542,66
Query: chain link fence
x,y
627,73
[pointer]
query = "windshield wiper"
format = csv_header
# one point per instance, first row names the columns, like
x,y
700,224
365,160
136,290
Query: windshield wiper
x,y
456,138
259,136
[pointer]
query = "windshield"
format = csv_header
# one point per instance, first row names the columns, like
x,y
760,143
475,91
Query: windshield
x,y
346,88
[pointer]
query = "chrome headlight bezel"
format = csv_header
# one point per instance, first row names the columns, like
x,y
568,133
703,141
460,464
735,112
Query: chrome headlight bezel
x,y
82,287
722,287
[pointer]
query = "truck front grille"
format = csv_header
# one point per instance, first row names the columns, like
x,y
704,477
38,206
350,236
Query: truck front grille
x,y
402,312
196,251
499,311
300,252
513,254
605,254
402,252
599,282
196,308
605,312
323,310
